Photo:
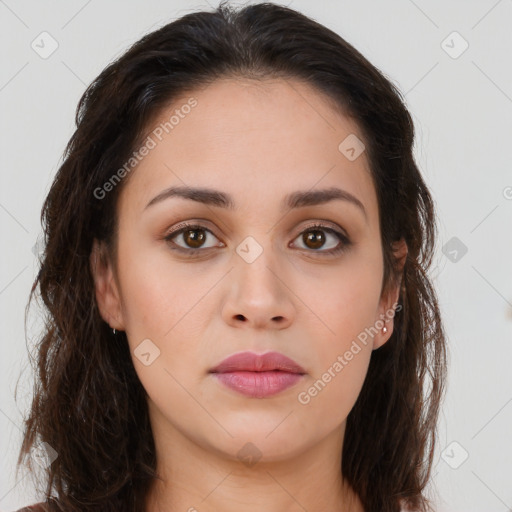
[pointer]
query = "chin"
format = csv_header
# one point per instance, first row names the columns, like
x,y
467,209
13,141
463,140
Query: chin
x,y
260,439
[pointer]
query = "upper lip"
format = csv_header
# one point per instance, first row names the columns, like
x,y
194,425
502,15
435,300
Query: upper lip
x,y
251,362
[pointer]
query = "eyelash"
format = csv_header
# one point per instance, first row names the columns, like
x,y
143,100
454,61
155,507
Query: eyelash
x,y
344,240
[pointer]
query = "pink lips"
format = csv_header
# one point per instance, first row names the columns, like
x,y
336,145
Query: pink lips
x,y
256,375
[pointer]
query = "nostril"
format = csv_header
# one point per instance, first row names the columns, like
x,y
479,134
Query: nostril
x,y
240,317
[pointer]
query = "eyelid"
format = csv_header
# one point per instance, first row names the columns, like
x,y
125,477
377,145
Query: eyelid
x,y
323,224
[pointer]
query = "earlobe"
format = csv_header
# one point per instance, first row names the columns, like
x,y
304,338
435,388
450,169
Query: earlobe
x,y
385,323
388,305
106,290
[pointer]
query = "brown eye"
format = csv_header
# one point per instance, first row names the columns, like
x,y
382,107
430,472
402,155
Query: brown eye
x,y
322,240
313,239
193,237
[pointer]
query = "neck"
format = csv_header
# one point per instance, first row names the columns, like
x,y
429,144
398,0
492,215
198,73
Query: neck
x,y
195,478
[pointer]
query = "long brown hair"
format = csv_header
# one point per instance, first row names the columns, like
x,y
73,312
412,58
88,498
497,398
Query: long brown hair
x,y
88,404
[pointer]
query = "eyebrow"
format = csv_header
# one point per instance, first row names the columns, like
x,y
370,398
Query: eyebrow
x,y
296,199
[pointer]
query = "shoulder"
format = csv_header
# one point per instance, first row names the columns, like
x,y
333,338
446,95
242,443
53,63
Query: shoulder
x,y
38,507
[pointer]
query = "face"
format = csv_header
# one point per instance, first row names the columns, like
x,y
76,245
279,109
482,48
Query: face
x,y
267,240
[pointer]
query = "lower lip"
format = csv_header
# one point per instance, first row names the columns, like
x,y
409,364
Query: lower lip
x,y
258,384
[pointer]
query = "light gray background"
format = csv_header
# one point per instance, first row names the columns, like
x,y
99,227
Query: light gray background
x,y
462,109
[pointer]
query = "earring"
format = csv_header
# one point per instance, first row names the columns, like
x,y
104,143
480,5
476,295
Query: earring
x,y
384,329
114,331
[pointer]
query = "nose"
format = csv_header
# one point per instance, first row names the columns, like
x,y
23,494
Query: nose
x,y
258,298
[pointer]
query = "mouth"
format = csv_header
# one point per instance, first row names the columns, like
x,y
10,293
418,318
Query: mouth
x,y
258,376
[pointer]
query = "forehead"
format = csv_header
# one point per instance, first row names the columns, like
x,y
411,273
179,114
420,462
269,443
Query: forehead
x,y
253,138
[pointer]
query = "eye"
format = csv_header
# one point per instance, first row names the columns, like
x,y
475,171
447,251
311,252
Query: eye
x,y
195,238
190,237
323,239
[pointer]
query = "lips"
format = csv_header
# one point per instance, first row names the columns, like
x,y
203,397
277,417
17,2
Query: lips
x,y
256,375
251,362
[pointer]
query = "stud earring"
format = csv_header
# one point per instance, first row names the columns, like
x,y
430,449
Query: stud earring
x,y
384,329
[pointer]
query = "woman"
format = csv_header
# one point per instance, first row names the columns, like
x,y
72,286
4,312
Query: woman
x,y
235,274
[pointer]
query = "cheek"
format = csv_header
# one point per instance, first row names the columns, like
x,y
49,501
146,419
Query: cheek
x,y
328,396
158,294
170,305
163,303
340,302
346,302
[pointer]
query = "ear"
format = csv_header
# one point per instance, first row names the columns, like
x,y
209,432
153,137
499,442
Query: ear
x,y
389,299
106,288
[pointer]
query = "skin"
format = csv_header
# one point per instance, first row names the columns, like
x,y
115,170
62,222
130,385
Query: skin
x,y
258,142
